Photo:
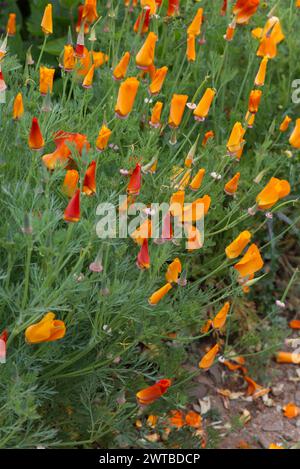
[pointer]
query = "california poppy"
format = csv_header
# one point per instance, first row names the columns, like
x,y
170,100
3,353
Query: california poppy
x,y
285,124
275,190
72,211
18,107
250,263
237,246
47,24
158,80
135,181
295,135
244,10
209,358
288,357
64,142
89,182
254,100
220,318
232,186
3,340
229,35
207,136
236,140
152,393
155,114
70,182
88,79
202,110
3,85
196,182
121,68
270,36
193,419
291,410
294,324
177,107
89,13
11,24
69,58
143,258
195,26
46,330
143,231
173,7
142,22
35,139
158,295
103,138
191,48
176,418
126,97
173,271
261,74
145,56
46,80
194,238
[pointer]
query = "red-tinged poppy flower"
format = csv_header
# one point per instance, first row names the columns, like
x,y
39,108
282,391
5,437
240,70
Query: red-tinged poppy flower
x,y
70,182
230,31
3,85
89,13
173,7
89,182
48,329
254,101
65,142
11,25
3,340
291,410
224,8
244,10
35,139
142,23
143,258
152,393
193,419
176,418
135,181
167,228
294,324
72,212
80,23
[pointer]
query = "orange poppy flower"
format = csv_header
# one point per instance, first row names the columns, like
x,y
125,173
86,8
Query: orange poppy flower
x,y
230,31
47,24
155,114
285,124
89,13
143,258
261,74
194,238
269,38
149,5
46,80
288,357
275,190
202,110
191,48
126,97
294,324
18,107
142,232
72,211
176,203
254,100
152,421
178,103
250,119
250,263
152,393
195,26
173,7
145,56
196,210
275,446
98,58
69,58
209,358
135,181
232,186
89,182
174,269
80,24
197,180
121,69
244,10
47,330
295,135
177,418
144,18
237,246
291,410
207,136
193,419
253,388
236,140
220,319
158,80
35,139
158,295
70,182
88,79
11,25
103,138
62,153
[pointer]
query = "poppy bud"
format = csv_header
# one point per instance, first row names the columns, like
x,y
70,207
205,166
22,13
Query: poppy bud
x,y
11,24
202,110
46,24
72,211
232,185
178,103
155,115
89,182
103,138
157,80
145,56
18,108
126,97
35,139
121,69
